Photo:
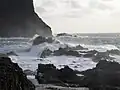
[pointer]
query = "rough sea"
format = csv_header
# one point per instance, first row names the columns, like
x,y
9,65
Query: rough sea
x,y
28,56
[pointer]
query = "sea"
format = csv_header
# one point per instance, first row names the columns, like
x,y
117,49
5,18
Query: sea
x,y
27,55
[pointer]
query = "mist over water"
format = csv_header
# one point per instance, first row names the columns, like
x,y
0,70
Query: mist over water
x,y
28,56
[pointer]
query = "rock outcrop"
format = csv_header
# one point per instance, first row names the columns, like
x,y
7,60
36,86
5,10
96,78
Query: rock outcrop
x,y
18,18
39,40
12,76
67,52
49,74
105,76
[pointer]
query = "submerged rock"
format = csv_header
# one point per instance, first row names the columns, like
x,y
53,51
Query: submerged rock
x,y
101,56
63,34
114,52
12,76
97,56
18,19
78,47
29,72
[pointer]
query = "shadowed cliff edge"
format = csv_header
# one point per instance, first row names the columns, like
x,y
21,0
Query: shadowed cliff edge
x,y
18,19
12,76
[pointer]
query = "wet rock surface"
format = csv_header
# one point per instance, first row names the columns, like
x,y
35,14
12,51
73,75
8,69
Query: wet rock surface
x,y
39,40
29,72
63,34
64,51
12,76
114,52
49,74
105,76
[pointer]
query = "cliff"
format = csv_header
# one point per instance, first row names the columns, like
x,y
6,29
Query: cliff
x,y
12,76
18,18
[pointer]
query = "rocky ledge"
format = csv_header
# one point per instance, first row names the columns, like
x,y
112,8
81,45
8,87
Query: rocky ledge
x,y
105,76
18,18
12,76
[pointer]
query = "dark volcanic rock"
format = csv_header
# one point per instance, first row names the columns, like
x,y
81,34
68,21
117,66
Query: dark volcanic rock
x,y
29,72
64,51
17,18
50,75
106,76
78,47
47,74
45,53
38,40
63,34
114,52
12,76
101,56
97,56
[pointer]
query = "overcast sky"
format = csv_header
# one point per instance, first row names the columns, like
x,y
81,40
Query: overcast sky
x,y
80,16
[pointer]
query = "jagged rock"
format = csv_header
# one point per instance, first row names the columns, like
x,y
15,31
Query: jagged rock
x,y
101,56
64,51
47,74
88,55
38,40
12,76
18,18
78,47
63,34
105,76
89,52
29,72
64,77
45,53
114,51
11,53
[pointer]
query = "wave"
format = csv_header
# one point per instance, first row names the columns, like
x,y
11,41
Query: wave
x,y
28,56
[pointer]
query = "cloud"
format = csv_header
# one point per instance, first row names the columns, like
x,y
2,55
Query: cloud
x,y
72,8
95,4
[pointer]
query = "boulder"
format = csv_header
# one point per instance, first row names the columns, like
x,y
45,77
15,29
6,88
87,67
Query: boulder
x,y
78,47
63,34
114,52
101,56
45,53
12,76
47,74
40,39
51,75
105,76
89,54
18,19
29,72
67,52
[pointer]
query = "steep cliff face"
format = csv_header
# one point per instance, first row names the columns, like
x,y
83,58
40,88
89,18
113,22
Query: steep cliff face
x,y
18,18
12,76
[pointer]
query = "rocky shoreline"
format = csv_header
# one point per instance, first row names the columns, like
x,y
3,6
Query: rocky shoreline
x,y
49,77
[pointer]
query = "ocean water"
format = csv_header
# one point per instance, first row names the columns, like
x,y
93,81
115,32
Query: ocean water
x,y
28,56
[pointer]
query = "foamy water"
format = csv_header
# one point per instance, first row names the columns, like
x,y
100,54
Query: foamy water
x,y
29,56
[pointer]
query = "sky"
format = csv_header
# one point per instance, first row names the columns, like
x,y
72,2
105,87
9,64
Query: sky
x,y
80,16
